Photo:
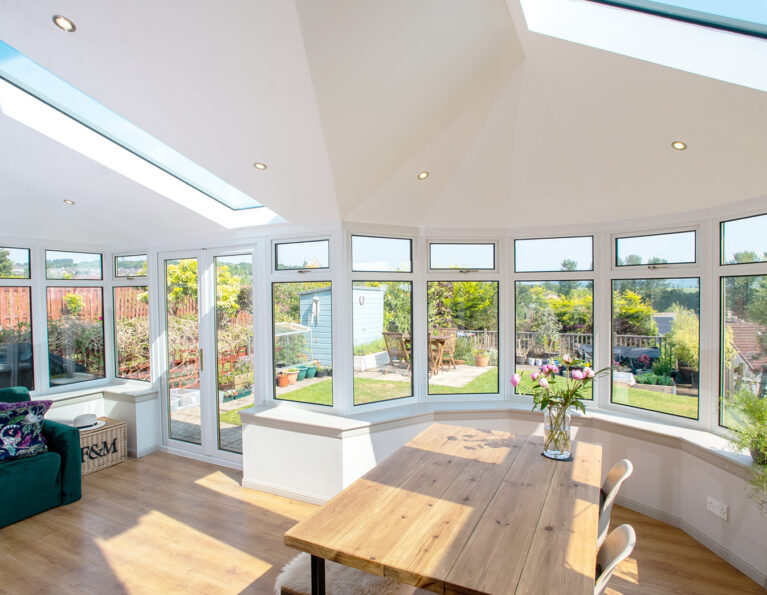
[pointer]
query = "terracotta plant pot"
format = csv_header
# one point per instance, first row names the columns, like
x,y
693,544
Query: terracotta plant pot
x,y
481,361
282,380
292,377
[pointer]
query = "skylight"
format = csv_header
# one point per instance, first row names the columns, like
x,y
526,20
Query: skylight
x,y
39,99
741,16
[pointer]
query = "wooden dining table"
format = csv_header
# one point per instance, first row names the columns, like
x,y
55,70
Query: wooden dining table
x,y
466,510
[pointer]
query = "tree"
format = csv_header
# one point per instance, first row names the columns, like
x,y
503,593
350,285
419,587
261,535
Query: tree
x,y
741,290
633,314
574,311
631,260
397,308
684,337
566,287
6,265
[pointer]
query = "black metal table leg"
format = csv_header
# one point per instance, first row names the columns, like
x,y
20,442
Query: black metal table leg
x,y
318,576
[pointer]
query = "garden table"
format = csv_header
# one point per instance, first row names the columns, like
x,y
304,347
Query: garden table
x,y
464,510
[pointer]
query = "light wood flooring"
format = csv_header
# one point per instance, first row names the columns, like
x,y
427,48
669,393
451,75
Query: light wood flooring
x,y
165,524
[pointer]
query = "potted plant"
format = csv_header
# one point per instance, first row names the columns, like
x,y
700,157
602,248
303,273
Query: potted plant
x,y
321,372
282,379
481,358
751,435
555,397
311,369
292,374
302,372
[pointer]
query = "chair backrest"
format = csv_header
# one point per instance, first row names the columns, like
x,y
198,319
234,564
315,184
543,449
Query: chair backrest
x,y
450,333
616,476
14,394
617,547
395,346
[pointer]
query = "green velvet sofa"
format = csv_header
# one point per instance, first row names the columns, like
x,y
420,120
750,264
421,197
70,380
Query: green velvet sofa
x,y
37,483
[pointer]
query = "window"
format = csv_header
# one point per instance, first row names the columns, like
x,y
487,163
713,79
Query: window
x,y
128,267
303,342
744,240
553,319
72,265
382,255
656,345
744,342
234,345
382,320
749,18
462,256
131,320
75,334
14,263
554,254
16,358
665,248
294,256
463,337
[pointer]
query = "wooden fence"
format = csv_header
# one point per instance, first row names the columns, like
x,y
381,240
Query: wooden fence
x,y
14,306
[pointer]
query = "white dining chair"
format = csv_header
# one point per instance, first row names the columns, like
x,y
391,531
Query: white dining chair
x,y
295,579
617,475
616,547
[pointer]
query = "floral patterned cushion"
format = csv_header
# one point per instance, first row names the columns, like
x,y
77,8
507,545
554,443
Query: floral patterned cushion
x,y
20,429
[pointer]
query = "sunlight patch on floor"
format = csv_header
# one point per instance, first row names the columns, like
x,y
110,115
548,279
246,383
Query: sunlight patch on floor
x,y
155,556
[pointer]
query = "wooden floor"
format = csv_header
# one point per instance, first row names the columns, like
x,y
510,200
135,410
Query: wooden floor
x,y
164,524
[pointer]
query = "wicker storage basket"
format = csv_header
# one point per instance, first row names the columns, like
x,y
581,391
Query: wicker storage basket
x,y
104,446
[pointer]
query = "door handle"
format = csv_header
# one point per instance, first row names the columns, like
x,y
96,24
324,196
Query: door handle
x,y
201,360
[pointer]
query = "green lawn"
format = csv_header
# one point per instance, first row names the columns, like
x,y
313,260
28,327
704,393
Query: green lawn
x,y
682,405
319,393
369,390
487,383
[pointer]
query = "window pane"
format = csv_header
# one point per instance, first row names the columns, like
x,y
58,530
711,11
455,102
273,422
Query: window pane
x,y
382,319
744,240
553,319
75,334
303,342
302,255
130,266
72,265
182,320
131,316
16,361
665,248
744,342
656,329
554,254
234,345
381,255
14,263
462,256
463,337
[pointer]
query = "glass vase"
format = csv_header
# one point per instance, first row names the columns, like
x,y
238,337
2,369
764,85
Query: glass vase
x,y
556,433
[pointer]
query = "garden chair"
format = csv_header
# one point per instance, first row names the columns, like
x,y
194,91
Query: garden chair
x,y
448,351
399,355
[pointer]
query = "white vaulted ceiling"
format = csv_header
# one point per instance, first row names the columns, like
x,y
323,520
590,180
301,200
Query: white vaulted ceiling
x,y
347,100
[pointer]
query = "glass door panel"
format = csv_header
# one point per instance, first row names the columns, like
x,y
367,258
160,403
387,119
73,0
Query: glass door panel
x,y
234,346
183,349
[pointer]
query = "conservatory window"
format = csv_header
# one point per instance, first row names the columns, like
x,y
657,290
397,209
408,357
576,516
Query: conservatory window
x,y
303,342
129,267
16,354
234,345
72,265
75,334
463,337
743,240
131,321
382,321
461,256
656,344
296,256
382,255
553,319
14,263
554,254
665,248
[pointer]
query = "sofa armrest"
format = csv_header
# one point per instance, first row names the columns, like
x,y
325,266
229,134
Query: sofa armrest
x,y
65,440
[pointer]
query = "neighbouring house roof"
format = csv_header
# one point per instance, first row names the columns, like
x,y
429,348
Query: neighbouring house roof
x,y
664,320
745,339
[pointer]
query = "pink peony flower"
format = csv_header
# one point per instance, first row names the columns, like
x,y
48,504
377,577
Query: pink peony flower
x,y
567,359
588,372
534,375
577,375
516,379
554,369
544,383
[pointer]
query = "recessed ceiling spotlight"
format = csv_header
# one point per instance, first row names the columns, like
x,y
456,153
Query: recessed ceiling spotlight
x,y
259,165
69,202
64,23
679,145
423,175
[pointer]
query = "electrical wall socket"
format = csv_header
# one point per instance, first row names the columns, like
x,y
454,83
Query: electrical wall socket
x,y
720,509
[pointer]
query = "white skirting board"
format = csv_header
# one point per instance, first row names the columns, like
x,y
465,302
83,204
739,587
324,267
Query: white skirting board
x,y
277,491
753,573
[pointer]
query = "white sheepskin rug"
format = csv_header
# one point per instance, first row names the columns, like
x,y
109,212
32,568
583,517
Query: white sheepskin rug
x,y
339,580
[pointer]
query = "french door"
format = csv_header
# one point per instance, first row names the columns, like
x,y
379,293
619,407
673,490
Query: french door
x,y
208,349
